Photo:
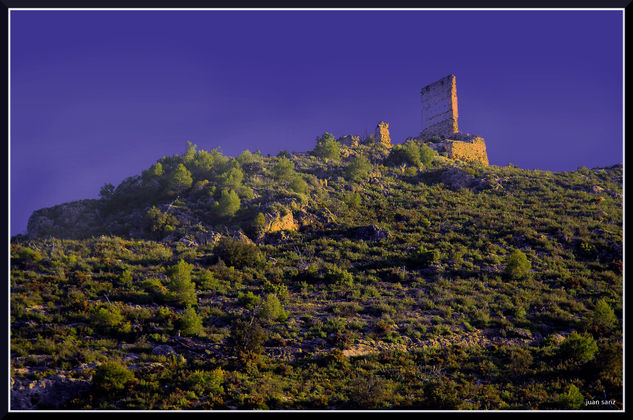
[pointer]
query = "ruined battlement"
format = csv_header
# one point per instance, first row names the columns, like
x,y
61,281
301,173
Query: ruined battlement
x,y
439,118
439,108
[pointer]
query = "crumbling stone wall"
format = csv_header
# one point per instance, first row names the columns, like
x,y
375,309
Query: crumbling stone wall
x,y
439,108
473,150
349,140
382,134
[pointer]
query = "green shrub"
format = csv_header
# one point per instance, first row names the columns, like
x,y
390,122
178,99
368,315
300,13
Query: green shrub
x,y
183,290
602,319
112,377
190,322
327,147
179,180
517,265
205,383
237,253
246,340
578,349
284,169
425,257
358,168
248,300
228,204
271,309
572,399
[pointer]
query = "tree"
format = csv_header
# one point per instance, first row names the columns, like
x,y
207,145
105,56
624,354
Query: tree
x,y
259,223
271,309
517,265
247,339
358,168
298,185
233,176
183,290
578,349
228,204
284,169
237,253
179,179
407,153
107,191
327,147
602,319
190,322
190,153
427,155
572,399
112,377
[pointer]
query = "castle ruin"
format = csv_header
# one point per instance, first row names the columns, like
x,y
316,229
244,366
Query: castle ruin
x,y
439,123
439,108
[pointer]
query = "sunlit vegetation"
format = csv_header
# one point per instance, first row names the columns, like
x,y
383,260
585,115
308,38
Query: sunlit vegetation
x,y
507,295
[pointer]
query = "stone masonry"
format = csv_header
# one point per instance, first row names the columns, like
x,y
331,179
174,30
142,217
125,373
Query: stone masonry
x,y
382,134
439,108
439,119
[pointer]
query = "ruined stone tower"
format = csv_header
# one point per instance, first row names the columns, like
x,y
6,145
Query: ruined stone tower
x,y
382,134
439,108
439,118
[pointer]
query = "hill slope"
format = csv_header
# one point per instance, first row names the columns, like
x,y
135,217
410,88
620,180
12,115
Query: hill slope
x,y
324,280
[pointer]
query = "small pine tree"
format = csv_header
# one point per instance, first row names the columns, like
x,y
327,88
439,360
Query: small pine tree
x,y
190,322
517,265
179,180
228,204
602,319
284,169
358,168
183,290
572,399
327,147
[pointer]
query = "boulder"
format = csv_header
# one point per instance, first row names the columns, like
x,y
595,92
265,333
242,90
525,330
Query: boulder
x,y
370,233
50,392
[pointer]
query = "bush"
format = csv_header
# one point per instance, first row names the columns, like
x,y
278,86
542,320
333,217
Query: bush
x,y
205,383
517,265
271,309
112,377
327,147
183,290
572,399
284,169
427,155
190,322
247,339
228,204
408,153
160,224
358,168
179,180
425,257
237,253
602,319
248,300
578,349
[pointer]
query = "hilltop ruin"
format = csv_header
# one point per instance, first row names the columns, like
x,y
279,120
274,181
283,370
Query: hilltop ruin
x,y
439,123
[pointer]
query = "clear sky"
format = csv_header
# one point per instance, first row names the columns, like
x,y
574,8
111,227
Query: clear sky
x,y
97,96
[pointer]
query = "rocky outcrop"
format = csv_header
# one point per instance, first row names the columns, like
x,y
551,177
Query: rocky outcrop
x,y
77,219
51,392
370,233
455,179
349,140
382,134
277,222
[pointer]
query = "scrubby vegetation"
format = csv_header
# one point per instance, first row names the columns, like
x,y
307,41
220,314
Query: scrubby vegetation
x,y
399,286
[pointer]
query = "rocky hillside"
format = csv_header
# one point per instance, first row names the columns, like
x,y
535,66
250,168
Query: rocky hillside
x,y
357,275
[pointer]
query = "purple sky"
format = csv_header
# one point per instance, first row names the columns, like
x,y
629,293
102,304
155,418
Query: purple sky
x,y
97,96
